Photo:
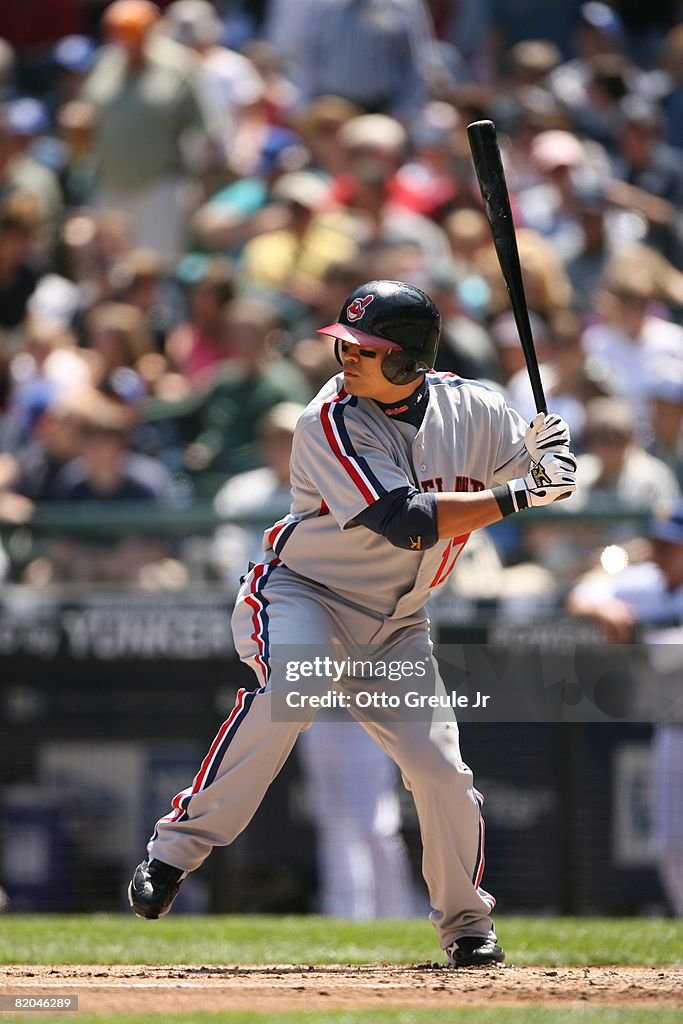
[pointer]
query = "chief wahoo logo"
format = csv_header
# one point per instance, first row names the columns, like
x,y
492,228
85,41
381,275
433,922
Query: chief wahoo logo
x,y
357,308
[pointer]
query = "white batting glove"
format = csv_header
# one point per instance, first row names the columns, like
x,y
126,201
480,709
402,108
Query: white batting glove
x,y
548,432
551,478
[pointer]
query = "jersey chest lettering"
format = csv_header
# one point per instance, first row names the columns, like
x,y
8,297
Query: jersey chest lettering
x,y
460,483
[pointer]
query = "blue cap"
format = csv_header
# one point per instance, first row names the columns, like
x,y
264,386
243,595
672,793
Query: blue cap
x,y
35,398
273,155
192,267
75,53
126,384
667,524
25,116
602,18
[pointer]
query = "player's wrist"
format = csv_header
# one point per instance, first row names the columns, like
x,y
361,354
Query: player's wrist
x,y
510,497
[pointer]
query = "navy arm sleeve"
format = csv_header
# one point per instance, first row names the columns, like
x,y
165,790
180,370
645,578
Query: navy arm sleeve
x,y
405,516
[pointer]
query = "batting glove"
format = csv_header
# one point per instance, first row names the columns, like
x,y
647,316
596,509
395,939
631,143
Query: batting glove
x,y
551,478
547,433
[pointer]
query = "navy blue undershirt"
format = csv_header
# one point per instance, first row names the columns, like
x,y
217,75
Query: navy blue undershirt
x,y
411,409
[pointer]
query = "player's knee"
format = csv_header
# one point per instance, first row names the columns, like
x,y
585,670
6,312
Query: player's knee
x,y
433,766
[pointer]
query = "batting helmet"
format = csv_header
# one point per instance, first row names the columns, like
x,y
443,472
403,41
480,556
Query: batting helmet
x,y
394,316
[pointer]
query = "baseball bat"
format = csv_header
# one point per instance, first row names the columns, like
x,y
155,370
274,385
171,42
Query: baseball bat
x,y
494,191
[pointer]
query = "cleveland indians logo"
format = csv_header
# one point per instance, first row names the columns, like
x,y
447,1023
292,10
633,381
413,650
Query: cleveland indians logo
x,y
357,308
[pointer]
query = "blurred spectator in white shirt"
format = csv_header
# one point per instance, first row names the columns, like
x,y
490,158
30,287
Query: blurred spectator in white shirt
x,y
629,338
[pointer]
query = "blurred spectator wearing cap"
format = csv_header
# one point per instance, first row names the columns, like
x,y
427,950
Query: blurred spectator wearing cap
x,y
563,163
75,157
610,79
152,135
628,340
529,64
522,81
615,465
427,182
240,210
644,602
314,234
119,337
597,30
22,122
319,124
73,57
46,366
105,470
228,82
649,177
140,279
280,95
196,346
532,111
469,235
586,267
374,148
213,432
665,393
374,53
55,440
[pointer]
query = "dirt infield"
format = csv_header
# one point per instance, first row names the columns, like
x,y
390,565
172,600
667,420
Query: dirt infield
x,y
174,989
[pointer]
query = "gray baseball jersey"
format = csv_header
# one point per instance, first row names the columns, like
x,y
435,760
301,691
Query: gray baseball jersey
x,y
348,453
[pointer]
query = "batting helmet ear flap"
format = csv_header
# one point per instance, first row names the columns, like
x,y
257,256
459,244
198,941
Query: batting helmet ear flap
x,y
398,369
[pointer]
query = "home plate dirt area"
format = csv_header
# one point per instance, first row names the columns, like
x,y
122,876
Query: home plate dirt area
x,y
177,989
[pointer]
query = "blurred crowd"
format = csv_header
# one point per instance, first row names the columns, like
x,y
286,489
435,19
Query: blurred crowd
x,y
189,190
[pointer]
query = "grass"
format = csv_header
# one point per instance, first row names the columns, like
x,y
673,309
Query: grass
x,y
123,939
478,1015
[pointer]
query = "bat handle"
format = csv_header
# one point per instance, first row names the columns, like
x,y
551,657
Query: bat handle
x,y
537,386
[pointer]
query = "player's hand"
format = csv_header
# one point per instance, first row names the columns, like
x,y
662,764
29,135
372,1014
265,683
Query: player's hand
x,y
551,478
548,432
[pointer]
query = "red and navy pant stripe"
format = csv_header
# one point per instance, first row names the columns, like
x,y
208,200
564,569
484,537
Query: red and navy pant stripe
x,y
208,770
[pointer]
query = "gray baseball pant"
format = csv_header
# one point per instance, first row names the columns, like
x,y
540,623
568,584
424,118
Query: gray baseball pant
x,y
277,612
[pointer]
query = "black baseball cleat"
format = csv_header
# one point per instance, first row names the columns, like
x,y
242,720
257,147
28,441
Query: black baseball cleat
x,y
153,888
474,951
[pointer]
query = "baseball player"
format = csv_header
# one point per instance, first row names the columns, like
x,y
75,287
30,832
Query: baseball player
x,y
393,466
649,597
